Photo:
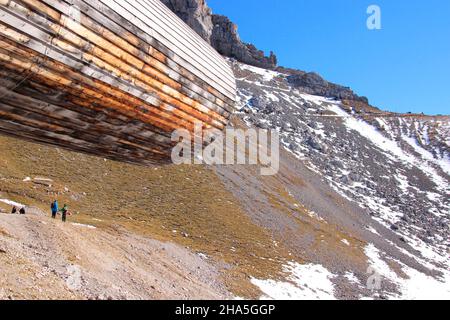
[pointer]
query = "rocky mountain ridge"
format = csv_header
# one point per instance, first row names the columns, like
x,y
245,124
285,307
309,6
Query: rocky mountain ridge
x,y
222,34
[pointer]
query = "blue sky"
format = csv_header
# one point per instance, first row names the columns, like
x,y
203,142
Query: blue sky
x,y
403,67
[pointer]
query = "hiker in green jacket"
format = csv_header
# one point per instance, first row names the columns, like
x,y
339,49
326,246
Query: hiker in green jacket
x,y
64,212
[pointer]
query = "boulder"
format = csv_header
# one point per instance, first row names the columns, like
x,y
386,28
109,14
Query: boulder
x,y
314,143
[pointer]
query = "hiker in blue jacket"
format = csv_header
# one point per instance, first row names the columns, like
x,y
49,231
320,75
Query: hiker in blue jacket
x,y
55,209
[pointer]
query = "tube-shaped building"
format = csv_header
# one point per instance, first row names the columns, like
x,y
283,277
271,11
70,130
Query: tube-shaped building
x,y
112,78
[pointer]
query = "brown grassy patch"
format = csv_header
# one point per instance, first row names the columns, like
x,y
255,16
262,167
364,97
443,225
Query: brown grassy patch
x,y
153,201
397,268
327,237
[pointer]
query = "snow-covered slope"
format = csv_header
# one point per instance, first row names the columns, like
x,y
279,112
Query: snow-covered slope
x,y
394,167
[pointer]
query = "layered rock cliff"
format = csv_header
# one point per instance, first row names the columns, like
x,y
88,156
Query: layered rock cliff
x,y
312,83
220,32
195,13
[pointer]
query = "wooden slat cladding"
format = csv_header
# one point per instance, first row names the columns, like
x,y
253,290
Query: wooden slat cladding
x,y
111,78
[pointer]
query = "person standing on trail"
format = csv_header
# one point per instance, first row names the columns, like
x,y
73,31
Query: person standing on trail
x,y
14,210
22,210
54,208
64,213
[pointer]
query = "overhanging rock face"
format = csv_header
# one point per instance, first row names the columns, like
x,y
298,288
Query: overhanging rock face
x,y
112,78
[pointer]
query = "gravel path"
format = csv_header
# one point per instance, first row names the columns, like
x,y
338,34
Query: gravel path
x,y
42,258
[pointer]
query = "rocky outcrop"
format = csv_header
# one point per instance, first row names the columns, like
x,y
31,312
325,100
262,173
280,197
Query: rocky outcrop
x,y
195,13
313,83
225,38
220,32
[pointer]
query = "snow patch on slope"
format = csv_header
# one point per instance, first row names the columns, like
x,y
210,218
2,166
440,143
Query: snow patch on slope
x,y
427,156
388,146
416,285
306,282
268,75
12,203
